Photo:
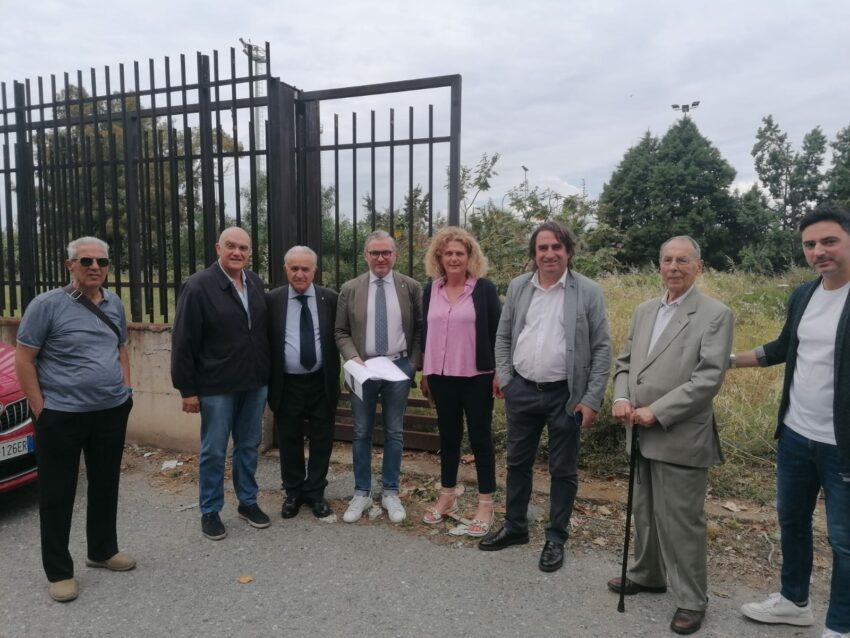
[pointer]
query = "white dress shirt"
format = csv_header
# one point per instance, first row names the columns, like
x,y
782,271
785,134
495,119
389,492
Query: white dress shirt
x,y
540,354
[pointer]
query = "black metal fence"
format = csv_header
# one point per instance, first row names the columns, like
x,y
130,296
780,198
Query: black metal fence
x,y
159,165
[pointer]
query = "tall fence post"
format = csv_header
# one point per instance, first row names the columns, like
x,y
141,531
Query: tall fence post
x,y
134,241
281,174
454,154
207,164
310,177
25,192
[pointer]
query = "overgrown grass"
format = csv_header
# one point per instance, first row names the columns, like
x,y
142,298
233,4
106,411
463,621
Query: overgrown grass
x,y
746,407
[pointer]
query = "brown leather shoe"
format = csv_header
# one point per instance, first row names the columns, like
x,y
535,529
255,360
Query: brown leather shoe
x,y
633,588
686,621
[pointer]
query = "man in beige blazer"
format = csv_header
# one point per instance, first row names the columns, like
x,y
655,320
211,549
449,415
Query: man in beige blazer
x,y
379,313
672,366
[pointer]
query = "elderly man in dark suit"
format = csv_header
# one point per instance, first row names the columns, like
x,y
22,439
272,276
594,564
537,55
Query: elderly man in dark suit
x,y
304,382
379,314
665,381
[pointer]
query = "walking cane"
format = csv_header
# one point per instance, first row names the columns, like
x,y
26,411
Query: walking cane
x,y
621,606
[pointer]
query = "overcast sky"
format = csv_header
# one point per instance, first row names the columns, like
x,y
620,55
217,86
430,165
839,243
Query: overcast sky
x,y
562,87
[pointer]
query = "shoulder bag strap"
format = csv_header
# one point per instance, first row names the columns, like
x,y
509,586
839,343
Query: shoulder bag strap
x,y
77,295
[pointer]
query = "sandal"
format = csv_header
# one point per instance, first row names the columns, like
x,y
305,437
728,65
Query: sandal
x,y
433,515
477,527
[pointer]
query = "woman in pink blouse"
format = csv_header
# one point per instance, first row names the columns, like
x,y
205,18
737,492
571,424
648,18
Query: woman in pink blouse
x,y
461,311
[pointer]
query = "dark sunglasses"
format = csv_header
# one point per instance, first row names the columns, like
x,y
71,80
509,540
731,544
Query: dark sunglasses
x,y
86,262
386,254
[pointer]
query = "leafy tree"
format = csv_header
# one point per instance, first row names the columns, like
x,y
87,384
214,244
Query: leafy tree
x,y
838,187
678,185
503,237
627,199
764,246
475,181
794,181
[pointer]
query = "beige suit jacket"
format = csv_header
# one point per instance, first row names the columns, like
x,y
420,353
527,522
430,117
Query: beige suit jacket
x,y
679,379
350,330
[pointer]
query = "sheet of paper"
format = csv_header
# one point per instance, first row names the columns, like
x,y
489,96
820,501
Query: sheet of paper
x,y
383,368
356,374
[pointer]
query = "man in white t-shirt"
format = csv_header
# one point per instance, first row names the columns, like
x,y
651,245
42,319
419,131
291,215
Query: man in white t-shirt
x,y
814,425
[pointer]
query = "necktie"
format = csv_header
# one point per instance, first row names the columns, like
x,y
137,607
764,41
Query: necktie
x,y
381,336
308,335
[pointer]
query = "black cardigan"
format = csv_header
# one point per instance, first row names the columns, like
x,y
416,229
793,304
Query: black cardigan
x,y
784,350
488,309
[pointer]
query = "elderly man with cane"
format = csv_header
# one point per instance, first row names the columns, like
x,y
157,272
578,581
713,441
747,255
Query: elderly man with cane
x,y
665,381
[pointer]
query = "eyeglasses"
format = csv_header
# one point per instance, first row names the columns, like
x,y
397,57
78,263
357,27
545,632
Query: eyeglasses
x,y
386,254
86,262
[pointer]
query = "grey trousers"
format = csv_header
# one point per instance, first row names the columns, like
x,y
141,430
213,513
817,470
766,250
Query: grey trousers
x,y
670,537
528,409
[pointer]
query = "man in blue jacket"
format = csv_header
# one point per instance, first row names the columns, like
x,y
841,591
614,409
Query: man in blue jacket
x,y
220,364
814,425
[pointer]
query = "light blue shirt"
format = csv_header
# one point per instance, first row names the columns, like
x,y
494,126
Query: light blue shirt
x,y
77,365
292,338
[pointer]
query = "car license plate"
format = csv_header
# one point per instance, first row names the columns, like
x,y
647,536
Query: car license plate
x,y
16,447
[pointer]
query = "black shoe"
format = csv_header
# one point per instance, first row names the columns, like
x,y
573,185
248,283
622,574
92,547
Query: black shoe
x,y
633,588
552,556
212,527
254,515
320,506
501,539
291,506
687,621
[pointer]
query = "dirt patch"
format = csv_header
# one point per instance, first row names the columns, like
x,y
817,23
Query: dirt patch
x,y
743,544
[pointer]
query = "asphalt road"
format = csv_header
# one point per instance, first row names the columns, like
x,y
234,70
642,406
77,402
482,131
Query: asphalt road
x,y
312,578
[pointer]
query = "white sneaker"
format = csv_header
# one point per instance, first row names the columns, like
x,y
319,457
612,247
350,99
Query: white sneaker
x,y
356,507
829,633
395,509
779,610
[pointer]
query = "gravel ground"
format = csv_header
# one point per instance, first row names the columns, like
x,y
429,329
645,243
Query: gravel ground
x,y
316,578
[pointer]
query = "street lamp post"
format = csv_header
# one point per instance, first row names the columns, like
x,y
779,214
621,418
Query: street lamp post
x,y
525,181
257,57
685,108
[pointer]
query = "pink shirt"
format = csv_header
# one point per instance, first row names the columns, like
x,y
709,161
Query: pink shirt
x,y
450,347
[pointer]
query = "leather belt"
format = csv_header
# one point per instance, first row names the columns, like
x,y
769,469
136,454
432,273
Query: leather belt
x,y
545,386
303,375
396,356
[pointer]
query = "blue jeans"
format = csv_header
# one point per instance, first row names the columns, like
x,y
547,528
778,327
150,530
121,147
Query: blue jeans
x,y
393,395
239,414
804,466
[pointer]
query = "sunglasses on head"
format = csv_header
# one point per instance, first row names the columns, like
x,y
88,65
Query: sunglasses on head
x,y
86,262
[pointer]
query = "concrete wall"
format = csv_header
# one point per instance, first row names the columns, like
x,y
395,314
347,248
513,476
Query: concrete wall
x,y
156,418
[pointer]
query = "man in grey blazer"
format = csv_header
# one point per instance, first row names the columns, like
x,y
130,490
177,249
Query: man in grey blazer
x,y
379,314
665,380
553,354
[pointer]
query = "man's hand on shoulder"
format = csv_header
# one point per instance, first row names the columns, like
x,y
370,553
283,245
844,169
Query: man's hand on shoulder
x,y
191,404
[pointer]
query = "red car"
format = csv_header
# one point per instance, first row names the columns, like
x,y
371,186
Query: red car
x,y
17,434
